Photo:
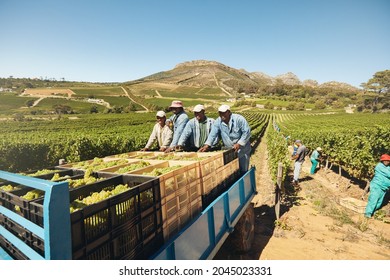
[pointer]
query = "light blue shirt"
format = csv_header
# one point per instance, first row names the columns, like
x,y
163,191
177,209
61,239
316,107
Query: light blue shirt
x,y
192,129
179,122
236,131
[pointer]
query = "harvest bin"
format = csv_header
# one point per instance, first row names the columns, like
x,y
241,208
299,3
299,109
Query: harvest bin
x,y
124,226
14,201
180,193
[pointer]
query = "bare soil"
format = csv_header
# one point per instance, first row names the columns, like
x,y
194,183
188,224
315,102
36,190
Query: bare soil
x,y
312,224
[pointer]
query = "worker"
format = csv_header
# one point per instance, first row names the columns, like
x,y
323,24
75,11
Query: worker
x,y
196,131
161,132
314,158
299,158
179,120
235,133
379,185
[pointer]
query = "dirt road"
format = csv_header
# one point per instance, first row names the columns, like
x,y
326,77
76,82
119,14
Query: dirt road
x,y
312,224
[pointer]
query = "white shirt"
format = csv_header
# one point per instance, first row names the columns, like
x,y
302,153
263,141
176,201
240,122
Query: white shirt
x,y
162,134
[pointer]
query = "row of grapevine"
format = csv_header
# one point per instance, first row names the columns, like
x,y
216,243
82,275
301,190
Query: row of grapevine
x,y
354,142
38,144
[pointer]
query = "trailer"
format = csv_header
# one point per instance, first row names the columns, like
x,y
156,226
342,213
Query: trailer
x,y
230,212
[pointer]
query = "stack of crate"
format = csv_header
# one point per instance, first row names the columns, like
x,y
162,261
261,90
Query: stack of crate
x,y
180,191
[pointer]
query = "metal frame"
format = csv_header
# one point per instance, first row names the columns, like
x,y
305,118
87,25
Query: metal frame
x,y
56,232
204,236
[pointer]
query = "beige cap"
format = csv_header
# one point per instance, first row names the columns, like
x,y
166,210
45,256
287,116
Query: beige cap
x,y
198,108
223,108
160,114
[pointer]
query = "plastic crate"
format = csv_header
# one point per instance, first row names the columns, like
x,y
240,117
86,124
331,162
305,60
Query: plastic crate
x,y
229,155
94,226
213,185
117,169
173,224
133,155
54,170
11,249
14,201
171,181
96,164
26,236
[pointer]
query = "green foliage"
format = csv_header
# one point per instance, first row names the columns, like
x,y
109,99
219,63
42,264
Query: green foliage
x,y
379,83
353,141
277,153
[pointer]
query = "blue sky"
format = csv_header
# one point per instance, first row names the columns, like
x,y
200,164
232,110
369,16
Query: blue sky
x,y
117,40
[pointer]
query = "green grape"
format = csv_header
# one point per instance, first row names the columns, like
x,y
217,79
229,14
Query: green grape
x,y
9,188
160,171
33,194
132,167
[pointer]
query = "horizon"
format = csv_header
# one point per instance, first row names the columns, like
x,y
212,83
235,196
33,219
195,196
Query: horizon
x,y
115,42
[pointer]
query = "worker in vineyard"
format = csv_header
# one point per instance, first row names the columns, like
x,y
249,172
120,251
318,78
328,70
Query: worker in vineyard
x,y
299,158
315,158
235,133
161,132
179,120
196,131
379,185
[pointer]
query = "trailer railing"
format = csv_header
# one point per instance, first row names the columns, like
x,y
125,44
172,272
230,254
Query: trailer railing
x,y
206,234
56,232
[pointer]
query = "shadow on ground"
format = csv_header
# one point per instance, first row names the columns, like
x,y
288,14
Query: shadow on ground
x,y
265,225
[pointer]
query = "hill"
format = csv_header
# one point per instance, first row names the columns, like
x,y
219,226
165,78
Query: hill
x,y
198,81
203,73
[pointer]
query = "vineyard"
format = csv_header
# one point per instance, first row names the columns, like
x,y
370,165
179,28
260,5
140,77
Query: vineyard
x,y
39,144
352,142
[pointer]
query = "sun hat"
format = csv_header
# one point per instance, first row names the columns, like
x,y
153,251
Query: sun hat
x,y
298,141
223,108
160,114
176,104
319,149
385,157
198,108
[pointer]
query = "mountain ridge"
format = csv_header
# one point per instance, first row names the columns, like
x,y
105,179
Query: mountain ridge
x,y
213,74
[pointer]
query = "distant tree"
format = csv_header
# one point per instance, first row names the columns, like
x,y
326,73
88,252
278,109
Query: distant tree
x,y
300,106
379,83
269,105
291,106
29,103
319,104
62,109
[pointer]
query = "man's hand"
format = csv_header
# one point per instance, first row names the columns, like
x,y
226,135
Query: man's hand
x,y
179,148
162,149
205,148
144,149
169,149
236,147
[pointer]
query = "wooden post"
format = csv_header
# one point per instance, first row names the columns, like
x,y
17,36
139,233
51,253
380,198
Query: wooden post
x,y
279,188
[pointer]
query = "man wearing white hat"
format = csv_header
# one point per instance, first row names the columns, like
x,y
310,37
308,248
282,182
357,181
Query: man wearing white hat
x,y
235,133
196,131
179,120
161,132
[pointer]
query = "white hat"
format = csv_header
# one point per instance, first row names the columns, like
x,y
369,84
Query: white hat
x,y
198,108
160,114
176,104
319,149
223,108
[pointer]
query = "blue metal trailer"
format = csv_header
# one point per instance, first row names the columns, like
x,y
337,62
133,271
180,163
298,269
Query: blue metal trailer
x,y
214,224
